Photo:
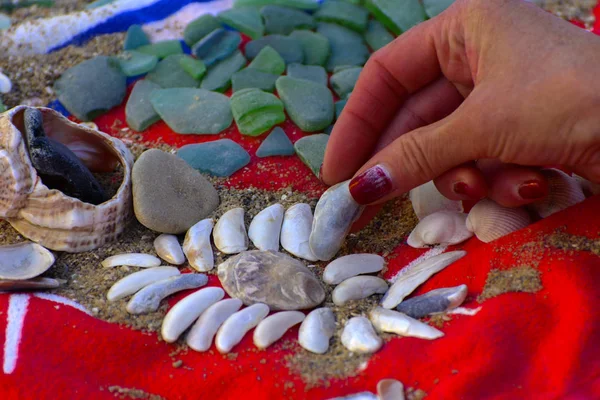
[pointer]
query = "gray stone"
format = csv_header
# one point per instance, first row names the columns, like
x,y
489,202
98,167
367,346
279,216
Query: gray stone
x,y
168,195
272,278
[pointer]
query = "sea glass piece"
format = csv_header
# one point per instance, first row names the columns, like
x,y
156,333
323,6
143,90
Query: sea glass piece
x,y
253,78
170,74
255,111
339,107
134,63
219,158
276,144
311,150
162,49
139,111
314,73
194,67
435,7
135,37
299,4
343,13
343,82
245,19
199,28
218,77
284,20
309,104
377,36
347,46
268,60
216,46
314,46
288,48
397,16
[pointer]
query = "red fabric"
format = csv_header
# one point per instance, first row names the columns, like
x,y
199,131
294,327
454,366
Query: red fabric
x,y
519,346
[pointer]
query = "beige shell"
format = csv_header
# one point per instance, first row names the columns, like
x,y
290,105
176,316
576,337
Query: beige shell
x,y
48,216
565,192
490,221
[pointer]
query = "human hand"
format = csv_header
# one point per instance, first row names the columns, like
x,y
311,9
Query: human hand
x,y
497,81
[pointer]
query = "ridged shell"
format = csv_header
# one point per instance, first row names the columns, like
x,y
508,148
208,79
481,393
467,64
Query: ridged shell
x,y
441,227
589,188
490,221
565,192
426,200
48,216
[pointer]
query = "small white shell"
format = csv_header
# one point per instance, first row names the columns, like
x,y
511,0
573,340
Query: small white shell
x,y
489,220
357,396
395,322
185,312
272,328
426,200
390,389
316,330
230,232
131,260
265,228
235,327
138,280
202,333
351,265
413,276
564,192
168,248
5,83
589,188
24,261
442,227
148,299
357,288
295,231
359,336
197,247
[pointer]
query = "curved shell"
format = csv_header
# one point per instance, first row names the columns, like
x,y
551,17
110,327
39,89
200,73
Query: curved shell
x,y
490,221
24,261
48,216
426,200
565,191
442,227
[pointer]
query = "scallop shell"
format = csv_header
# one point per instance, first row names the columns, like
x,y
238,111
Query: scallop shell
x,y
589,188
565,192
47,216
490,221
426,200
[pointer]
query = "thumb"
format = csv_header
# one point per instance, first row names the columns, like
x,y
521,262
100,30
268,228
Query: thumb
x,y
420,156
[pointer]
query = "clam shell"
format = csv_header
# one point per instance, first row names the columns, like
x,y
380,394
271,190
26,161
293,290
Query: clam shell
x,y
131,260
426,200
48,216
202,333
351,265
139,280
357,288
489,220
564,192
272,328
235,327
395,322
359,336
197,247
390,389
316,330
265,228
24,261
230,232
168,248
5,83
295,231
442,227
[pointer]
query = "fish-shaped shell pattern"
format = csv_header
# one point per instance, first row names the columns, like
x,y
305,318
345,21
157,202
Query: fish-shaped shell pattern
x,y
48,216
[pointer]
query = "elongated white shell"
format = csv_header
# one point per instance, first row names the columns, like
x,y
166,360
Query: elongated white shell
x,y
202,333
265,228
138,280
148,299
7,285
357,396
390,389
5,83
295,231
564,192
351,265
359,336
230,232
357,288
24,261
395,322
426,200
186,311
442,227
316,330
131,260
272,328
168,248
235,327
334,214
489,220
412,277
197,247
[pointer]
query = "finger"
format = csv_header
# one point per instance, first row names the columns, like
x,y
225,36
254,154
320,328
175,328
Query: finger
x,y
465,182
368,214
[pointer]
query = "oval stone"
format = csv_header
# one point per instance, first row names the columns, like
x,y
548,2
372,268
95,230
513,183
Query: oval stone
x,y
272,278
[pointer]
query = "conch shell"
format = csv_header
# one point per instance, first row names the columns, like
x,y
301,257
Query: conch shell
x,y
48,216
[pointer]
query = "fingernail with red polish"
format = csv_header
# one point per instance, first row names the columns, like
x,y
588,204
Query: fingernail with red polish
x,y
462,189
372,185
531,190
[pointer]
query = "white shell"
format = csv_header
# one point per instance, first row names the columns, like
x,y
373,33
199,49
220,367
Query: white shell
x,y
390,389
272,328
186,311
426,200
230,232
357,396
334,214
131,260
357,288
148,299
168,248
265,228
490,221
197,247
295,231
395,322
24,261
235,327
138,280
5,83
202,333
351,265
442,227
359,336
564,192
589,188
316,330
413,276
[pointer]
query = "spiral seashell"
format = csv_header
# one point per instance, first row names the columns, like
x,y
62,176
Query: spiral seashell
x,y
489,220
564,192
48,216
426,200
442,227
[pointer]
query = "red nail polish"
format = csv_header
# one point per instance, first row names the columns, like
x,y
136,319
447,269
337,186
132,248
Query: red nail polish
x,y
370,186
531,190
